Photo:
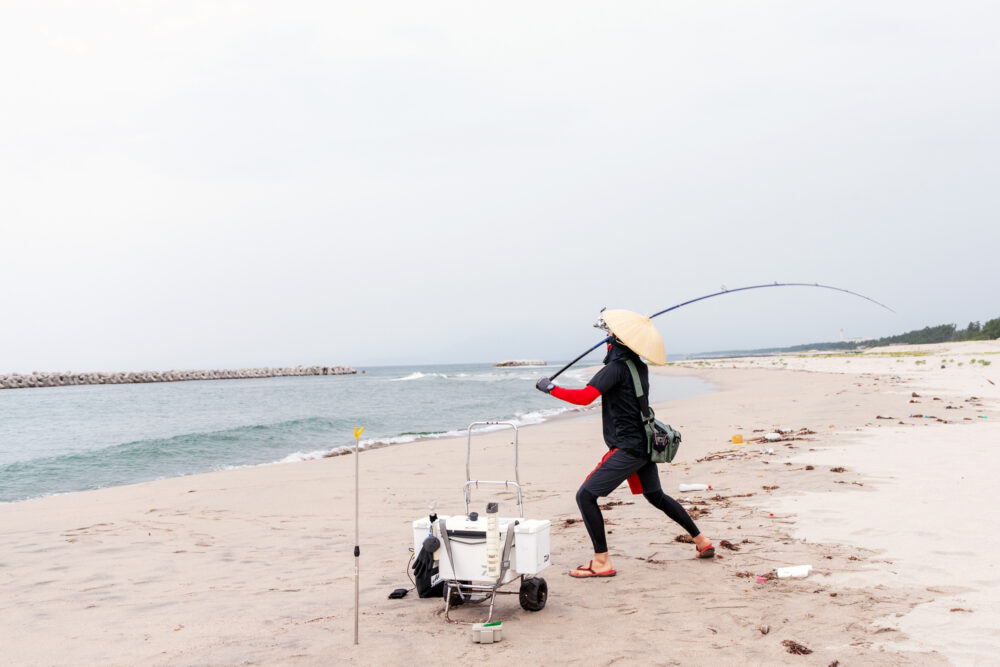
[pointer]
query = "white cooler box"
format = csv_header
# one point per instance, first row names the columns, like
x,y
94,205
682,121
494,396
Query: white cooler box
x,y
529,553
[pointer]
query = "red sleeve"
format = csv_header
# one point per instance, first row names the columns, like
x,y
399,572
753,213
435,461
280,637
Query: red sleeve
x,y
583,396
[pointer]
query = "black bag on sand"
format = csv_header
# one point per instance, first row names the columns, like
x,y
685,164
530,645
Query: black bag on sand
x,y
662,440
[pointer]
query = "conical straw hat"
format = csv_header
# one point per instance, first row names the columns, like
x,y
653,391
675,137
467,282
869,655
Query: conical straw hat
x,y
637,332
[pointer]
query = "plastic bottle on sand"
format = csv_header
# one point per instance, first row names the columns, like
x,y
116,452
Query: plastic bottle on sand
x,y
695,487
794,572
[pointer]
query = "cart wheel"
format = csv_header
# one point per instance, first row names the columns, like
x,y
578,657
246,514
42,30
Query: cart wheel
x,y
455,598
534,593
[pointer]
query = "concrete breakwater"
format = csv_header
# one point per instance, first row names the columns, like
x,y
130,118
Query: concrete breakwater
x,y
18,381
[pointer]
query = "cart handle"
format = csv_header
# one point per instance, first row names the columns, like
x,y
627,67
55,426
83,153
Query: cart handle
x,y
468,457
506,483
468,447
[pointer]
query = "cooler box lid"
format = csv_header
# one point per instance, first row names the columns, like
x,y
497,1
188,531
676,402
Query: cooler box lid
x,y
531,526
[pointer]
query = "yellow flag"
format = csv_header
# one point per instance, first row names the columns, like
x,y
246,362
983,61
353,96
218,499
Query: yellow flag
x,y
357,432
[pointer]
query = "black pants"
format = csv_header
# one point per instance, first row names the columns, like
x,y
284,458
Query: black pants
x,y
617,466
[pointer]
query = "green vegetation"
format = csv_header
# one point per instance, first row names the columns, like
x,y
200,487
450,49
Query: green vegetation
x,y
847,355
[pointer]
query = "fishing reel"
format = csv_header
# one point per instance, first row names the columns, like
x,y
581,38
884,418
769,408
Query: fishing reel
x,y
601,324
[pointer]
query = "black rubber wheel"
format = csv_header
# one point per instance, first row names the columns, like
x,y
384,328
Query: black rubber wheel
x,y
534,593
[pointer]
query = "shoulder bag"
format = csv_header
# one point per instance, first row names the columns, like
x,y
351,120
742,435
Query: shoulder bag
x,y
662,440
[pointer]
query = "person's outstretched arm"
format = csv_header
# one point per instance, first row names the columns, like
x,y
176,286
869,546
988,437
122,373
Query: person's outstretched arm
x,y
584,396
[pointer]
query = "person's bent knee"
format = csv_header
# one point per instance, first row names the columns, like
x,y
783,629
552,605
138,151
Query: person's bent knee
x,y
585,497
653,497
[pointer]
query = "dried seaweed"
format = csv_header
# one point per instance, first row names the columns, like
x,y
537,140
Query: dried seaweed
x,y
795,647
615,503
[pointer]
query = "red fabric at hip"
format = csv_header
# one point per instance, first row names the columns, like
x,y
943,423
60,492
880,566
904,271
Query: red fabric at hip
x,y
634,485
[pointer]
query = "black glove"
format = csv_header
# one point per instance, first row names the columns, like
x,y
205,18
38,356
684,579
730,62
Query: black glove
x,y
545,385
425,559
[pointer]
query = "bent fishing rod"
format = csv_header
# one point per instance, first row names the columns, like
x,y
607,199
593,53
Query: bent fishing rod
x,y
720,293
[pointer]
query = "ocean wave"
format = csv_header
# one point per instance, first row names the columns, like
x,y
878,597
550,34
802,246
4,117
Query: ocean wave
x,y
154,458
417,375
540,416
520,419
498,375
297,457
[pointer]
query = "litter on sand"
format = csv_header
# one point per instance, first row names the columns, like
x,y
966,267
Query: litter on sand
x,y
487,633
695,487
794,572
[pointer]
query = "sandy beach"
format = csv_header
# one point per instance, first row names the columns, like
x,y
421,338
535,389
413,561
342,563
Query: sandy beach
x,y
882,481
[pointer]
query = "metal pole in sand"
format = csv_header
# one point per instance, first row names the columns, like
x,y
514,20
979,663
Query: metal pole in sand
x,y
357,549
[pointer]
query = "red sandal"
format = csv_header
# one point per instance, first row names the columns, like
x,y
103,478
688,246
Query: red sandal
x,y
707,552
590,568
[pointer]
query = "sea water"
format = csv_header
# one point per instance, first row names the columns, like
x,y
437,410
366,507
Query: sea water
x,y
65,439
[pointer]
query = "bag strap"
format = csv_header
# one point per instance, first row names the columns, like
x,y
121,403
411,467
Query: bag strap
x,y
637,383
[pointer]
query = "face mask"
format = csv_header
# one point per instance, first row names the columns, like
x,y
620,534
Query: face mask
x,y
607,357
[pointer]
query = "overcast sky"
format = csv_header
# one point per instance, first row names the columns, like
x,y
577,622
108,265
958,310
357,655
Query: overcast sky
x,y
223,184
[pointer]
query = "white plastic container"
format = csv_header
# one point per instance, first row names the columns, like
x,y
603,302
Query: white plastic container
x,y
794,572
695,487
531,546
468,547
487,633
492,543
420,532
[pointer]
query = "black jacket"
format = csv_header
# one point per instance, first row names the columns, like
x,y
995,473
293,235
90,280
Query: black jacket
x,y
619,406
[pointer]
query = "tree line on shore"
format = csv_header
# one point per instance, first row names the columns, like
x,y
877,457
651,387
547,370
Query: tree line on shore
x,y
942,333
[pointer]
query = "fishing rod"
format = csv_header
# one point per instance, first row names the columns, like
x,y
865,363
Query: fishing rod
x,y
720,293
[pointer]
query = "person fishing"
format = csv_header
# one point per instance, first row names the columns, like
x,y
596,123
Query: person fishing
x,y
625,437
